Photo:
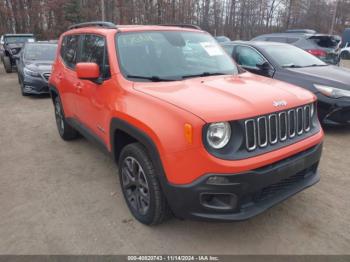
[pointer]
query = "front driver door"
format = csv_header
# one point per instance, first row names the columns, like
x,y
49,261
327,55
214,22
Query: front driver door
x,y
92,96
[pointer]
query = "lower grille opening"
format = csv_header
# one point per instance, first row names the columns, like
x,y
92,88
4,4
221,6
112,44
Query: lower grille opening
x,y
284,184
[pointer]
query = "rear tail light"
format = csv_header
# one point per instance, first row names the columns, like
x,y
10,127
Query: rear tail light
x,y
317,52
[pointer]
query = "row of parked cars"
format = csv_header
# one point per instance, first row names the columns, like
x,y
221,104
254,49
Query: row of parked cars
x,y
193,133
32,60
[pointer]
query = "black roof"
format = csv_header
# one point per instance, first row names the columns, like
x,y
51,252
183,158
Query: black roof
x,y
41,43
256,43
18,35
103,24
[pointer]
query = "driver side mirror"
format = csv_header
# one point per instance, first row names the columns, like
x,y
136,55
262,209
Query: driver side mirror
x,y
88,71
264,66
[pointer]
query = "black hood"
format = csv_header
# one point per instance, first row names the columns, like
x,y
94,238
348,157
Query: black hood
x,y
324,75
39,66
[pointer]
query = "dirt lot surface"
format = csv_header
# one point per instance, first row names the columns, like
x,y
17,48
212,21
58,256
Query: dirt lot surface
x,y
61,197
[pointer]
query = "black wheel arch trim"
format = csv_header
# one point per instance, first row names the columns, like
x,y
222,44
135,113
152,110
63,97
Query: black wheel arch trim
x,y
140,136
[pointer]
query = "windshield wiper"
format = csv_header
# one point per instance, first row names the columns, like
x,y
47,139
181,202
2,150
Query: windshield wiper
x,y
151,78
291,66
314,65
204,74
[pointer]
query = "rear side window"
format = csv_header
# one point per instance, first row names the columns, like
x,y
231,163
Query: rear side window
x,y
291,40
94,50
277,39
69,50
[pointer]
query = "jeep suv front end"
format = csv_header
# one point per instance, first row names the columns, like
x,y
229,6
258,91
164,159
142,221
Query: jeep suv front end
x,y
192,135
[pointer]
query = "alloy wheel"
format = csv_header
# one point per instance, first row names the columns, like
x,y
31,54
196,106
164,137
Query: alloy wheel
x,y
135,185
59,117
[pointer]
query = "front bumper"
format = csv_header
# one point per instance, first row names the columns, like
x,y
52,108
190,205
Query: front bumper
x,y
35,85
244,195
333,111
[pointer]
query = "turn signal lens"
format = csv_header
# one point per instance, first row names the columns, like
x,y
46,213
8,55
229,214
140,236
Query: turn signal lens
x,y
188,133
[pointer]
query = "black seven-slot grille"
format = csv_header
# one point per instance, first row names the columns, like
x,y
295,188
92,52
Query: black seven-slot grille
x,y
277,127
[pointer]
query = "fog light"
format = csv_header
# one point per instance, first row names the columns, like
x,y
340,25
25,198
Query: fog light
x,y
28,88
222,201
218,180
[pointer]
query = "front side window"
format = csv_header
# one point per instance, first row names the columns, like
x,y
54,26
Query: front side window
x,y
228,49
69,50
46,52
171,55
249,57
94,51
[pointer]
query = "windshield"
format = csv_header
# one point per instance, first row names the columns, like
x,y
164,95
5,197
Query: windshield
x,y
18,39
171,55
290,56
46,52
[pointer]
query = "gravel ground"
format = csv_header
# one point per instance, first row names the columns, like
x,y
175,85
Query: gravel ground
x,y
61,197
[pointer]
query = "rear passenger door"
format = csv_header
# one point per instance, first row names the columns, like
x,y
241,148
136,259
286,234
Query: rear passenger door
x,y
92,96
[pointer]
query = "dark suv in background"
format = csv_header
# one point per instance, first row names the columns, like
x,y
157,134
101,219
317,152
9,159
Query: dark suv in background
x,y
323,46
11,45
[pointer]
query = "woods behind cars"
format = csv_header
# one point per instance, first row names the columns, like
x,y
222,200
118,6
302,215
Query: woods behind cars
x,y
34,67
296,66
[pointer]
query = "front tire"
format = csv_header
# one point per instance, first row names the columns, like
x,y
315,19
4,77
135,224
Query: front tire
x,y
66,131
141,187
7,64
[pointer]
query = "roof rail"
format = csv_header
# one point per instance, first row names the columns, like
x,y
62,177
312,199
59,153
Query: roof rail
x,y
183,25
304,31
103,24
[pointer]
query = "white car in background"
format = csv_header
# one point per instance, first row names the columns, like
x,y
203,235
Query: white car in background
x,y
345,52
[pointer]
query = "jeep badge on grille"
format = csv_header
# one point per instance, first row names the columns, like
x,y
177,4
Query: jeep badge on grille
x,y
279,103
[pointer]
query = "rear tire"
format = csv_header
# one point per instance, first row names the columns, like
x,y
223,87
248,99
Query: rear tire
x,y
345,55
66,131
7,64
141,186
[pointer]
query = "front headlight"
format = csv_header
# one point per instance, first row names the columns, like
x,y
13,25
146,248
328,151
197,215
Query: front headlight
x,y
30,73
332,91
218,134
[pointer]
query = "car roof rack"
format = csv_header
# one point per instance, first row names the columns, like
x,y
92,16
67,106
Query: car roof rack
x,y
302,31
108,25
183,25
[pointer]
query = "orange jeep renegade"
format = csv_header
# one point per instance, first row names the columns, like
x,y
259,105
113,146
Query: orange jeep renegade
x,y
193,135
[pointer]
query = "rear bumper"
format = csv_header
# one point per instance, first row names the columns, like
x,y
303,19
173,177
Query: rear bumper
x,y
244,195
334,111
